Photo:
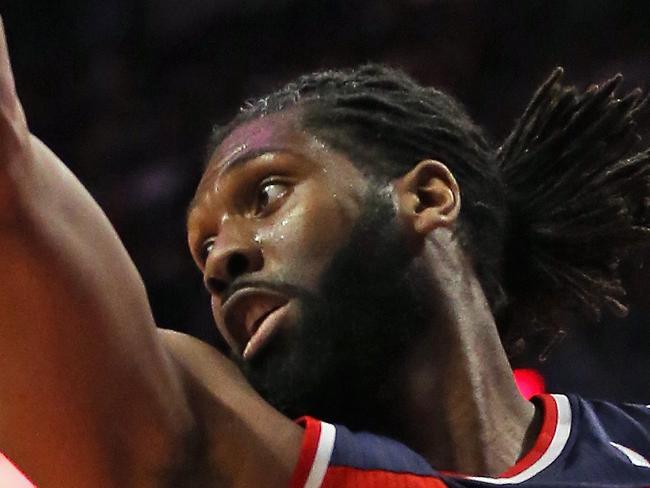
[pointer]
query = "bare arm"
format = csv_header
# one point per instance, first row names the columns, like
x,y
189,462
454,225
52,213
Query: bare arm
x,y
91,393
87,391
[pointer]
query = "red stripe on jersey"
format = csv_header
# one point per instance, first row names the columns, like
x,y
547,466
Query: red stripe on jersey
x,y
544,438
307,451
346,477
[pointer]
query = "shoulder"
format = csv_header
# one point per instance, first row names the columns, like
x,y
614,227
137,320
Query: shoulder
x,y
616,420
202,365
583,443
637,414
332,456
234,426
605,443
623,426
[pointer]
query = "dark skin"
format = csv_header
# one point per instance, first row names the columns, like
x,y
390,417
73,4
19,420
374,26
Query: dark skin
x,y
79,349
297,234
295,203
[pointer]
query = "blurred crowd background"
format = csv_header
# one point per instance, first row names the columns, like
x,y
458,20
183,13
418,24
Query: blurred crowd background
x,y
126,92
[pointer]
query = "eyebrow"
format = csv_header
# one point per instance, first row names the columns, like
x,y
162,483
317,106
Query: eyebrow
x,y
246,157
236,162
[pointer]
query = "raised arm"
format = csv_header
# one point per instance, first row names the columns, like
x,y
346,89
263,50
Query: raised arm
x,y
88,394
91,392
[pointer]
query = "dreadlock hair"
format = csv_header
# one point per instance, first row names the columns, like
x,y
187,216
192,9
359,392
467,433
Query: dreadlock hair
x,y
546,218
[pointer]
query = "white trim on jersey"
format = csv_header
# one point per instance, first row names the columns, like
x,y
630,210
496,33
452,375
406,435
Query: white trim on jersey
x,y
634,457
558,442
323,455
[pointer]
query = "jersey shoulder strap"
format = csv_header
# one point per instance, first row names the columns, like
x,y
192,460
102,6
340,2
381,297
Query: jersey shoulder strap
x,y
332,456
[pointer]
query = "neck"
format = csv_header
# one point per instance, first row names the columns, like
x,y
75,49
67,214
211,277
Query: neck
x,y
459,378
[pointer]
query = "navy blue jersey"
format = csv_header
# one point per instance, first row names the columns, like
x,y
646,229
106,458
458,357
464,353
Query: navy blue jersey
x,y
581,443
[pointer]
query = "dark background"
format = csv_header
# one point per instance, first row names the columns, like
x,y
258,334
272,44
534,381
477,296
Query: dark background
x,y
126,92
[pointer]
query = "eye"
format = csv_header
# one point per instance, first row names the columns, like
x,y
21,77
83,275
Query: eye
x,y
206,249
269,193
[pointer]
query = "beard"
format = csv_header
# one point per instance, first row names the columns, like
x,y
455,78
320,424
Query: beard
x,y
343,362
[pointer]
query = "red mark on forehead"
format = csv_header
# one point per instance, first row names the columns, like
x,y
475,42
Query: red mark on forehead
x,y
256,134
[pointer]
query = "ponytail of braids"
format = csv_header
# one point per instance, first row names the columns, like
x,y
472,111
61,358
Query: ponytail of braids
x,y
577,188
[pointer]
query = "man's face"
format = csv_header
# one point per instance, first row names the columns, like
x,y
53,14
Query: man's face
x,y
308,274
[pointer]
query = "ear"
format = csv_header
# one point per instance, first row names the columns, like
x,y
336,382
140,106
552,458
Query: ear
x,y
427,197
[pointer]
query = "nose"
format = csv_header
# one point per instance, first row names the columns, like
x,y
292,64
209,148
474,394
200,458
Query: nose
x,y
232,256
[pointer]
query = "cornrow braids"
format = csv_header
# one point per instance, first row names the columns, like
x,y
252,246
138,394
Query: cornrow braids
x,y
546,218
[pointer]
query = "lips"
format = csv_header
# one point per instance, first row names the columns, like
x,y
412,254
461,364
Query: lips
x,y
251,316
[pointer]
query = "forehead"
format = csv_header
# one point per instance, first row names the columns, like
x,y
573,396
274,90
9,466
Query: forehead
x,y
274,132
264,133
280,132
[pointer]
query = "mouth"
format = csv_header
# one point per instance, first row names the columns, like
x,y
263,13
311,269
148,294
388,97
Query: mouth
x,y
251,317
